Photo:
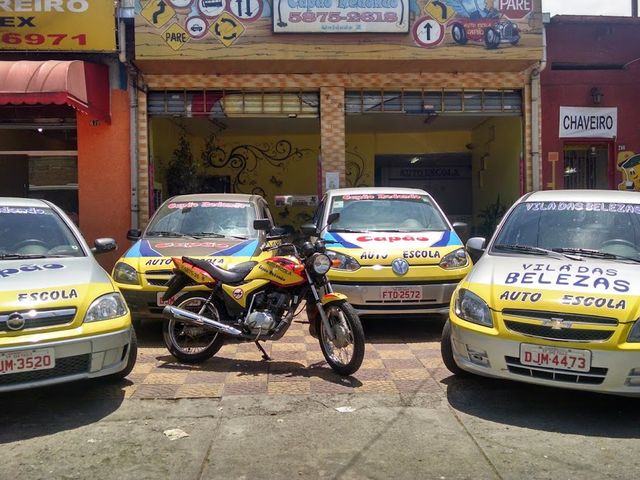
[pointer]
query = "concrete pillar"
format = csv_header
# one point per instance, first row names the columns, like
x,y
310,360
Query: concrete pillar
x,y
332,133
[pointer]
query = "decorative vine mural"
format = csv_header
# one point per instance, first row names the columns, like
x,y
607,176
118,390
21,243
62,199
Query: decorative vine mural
x,y
355,169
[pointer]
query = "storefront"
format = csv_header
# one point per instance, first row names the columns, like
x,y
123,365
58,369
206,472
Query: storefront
x,y
64,113
294,96
589,90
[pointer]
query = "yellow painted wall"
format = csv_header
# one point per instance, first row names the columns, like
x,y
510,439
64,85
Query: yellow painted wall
x,y
497,148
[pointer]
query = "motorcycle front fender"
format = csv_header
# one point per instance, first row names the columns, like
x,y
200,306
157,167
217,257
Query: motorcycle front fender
x,y
332,297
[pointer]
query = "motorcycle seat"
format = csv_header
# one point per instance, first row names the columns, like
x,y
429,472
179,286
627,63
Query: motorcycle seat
x,y
234,275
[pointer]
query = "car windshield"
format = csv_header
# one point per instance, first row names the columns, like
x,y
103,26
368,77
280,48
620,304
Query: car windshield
x,y
573,227
386,212
203,219
35,232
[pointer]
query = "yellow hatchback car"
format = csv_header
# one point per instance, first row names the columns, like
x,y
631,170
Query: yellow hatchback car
x,y
555,297
216,227
394,251
61,316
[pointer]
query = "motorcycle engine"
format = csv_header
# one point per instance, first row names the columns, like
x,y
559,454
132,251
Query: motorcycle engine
x,y
268,309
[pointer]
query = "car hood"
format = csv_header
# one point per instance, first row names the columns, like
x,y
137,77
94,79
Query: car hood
x,y
53,282
593,287
153,253
381,248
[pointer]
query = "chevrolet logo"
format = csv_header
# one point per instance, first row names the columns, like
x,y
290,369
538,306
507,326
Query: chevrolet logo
x,y
556,323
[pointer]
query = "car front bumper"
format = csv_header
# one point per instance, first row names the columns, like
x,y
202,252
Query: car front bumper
x,y
75,359
367,298
612,371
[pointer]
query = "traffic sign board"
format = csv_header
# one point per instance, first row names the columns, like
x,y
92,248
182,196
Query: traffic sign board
x,y
227,29
427,32
158,12
439,11
175,36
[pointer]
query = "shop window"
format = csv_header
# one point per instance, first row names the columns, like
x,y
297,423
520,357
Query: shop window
x,y
586,167
55,178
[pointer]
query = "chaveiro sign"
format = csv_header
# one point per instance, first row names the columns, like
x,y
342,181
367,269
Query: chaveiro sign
x,y
588,122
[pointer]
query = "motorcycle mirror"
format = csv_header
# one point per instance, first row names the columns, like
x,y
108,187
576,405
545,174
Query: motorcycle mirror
x,y
333,217
309,230
263,224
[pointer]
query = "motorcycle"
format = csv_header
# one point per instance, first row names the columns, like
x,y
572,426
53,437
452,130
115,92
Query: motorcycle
x,y
257,301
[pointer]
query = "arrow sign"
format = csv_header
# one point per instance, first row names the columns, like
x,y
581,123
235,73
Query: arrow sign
x,y
161,8
443,7
428,28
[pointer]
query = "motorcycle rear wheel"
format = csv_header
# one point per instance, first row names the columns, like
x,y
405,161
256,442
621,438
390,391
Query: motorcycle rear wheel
x,y
191,344
345,353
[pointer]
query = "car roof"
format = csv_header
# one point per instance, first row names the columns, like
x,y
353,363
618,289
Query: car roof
x,y
363,190
615,196
215,197
22,202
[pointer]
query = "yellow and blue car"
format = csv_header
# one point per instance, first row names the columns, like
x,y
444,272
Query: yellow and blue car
x,y
394,252
555,296
216,227
61,316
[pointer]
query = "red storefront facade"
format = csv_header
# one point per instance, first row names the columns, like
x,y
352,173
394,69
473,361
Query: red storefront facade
x,y
590,98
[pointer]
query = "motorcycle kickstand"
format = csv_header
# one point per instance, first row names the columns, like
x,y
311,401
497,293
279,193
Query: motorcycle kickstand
x,y
265,355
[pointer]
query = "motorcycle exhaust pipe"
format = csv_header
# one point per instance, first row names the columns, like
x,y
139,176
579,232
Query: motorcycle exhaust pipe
x,y
190,318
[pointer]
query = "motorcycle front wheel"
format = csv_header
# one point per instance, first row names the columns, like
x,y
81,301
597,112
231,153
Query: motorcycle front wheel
x,y
191,344
345,352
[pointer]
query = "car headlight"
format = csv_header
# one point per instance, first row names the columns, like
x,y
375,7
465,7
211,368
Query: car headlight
x,y
123,273
455,259
634,333
106,307
340,261
321,263
472,308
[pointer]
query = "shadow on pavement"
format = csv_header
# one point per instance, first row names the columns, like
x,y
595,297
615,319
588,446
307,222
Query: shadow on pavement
x,y
43,411
403,329
545,408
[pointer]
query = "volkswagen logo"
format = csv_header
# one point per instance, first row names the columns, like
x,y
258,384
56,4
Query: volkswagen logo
x,y
15,322
400,266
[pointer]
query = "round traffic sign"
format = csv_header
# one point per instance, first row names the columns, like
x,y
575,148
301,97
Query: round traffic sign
x,y
197,27
211,8
245,10
180,3
427,32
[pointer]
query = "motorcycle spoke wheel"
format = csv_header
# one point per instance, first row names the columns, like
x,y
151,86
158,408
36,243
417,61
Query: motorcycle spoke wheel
x,y
343,348
189,343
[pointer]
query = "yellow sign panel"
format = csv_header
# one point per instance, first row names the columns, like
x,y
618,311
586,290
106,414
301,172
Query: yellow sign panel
x,y
227,29
158,12
61,25
439,11
175,36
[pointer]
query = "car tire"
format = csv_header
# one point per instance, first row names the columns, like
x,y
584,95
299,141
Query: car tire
x,y
131,359
459,33
446,349
492,38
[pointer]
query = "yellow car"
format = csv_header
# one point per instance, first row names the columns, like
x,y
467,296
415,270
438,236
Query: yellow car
x,y
393,250
61,316
555,297
217,227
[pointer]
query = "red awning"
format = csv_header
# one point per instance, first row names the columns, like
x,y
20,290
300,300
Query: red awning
x,y
82,85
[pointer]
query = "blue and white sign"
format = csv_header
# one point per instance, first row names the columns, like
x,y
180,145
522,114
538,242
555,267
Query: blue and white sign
x,y
588,122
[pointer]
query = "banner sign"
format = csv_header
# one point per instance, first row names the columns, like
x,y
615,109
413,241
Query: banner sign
x,y
60,25
588,122
341,16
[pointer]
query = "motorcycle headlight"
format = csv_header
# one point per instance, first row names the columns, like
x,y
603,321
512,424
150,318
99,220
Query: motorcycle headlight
x,y
123,273
455,259
106,307
634,333
472,308
320,263
340,261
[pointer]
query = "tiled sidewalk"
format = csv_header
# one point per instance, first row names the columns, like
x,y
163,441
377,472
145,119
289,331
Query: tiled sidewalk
x,y
400,357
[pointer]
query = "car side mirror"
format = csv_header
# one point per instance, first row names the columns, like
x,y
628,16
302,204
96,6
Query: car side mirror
x,y
134,234
263,224
475,247
104,245
309,230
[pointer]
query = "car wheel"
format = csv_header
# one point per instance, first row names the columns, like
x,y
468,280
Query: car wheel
x,y
446,350
459,34
491,38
